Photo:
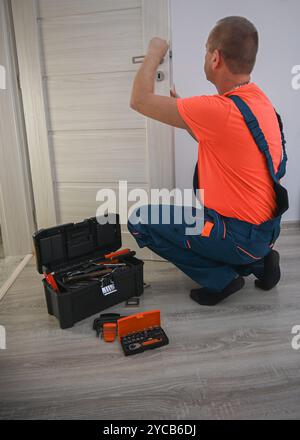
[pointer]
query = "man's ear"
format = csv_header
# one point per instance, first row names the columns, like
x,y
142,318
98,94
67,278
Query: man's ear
x,y
216,59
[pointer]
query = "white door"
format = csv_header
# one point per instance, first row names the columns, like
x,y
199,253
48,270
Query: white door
x,y
84,53
16,216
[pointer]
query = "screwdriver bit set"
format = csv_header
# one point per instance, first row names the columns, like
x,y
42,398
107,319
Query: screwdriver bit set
x,y
141,332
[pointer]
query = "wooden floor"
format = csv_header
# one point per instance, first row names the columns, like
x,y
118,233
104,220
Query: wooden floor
x,y
230,361
7,266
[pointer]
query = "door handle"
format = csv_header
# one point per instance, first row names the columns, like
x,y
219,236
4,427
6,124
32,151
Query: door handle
x,y
139,59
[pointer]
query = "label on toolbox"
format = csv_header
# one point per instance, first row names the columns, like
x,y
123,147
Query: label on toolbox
x,y
110,288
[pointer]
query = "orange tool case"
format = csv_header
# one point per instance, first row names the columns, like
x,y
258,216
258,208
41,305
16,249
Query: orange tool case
x,y
141,332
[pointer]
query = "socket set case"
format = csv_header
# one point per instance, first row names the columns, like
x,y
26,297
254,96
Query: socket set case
x,y
140,332
73,247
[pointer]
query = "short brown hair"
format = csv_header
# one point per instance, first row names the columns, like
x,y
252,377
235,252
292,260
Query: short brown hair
x,y
237,40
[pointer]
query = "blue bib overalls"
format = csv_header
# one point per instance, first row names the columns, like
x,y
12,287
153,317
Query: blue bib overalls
x,y
232,246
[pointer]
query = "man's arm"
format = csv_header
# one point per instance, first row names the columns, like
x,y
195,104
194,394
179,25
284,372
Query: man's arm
x,y
143,99
174,94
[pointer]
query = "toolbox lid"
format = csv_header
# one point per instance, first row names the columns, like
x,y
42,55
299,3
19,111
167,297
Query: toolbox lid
x,y
70,244
138,322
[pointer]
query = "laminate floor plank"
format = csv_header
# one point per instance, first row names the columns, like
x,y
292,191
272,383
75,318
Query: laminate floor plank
x,y
234,360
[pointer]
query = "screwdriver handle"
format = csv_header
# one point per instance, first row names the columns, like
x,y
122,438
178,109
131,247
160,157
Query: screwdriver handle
x,y
117,254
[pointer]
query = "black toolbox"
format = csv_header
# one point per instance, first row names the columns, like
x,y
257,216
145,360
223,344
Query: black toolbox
x,y
74,246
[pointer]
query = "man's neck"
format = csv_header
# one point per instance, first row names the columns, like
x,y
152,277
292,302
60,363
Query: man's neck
x,y
229,84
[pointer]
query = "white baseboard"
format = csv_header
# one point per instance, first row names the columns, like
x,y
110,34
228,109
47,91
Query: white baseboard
x,y
290,224
9,282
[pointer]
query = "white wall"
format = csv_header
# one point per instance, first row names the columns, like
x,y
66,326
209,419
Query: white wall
x,y
277,22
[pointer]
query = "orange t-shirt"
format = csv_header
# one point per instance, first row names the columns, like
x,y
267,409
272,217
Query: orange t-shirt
x,y
232,170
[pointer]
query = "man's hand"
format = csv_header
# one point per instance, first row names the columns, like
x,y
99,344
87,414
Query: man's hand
x,y
157,48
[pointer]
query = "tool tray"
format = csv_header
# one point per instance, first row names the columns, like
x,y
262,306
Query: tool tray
x,y
76,246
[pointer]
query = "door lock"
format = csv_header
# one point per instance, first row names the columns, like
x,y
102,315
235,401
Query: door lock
x,y
160,76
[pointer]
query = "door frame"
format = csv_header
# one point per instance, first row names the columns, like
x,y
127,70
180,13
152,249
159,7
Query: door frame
x,y
160,137
28,52
16,201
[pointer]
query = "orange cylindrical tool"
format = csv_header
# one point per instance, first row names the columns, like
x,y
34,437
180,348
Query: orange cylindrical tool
x,y
109,331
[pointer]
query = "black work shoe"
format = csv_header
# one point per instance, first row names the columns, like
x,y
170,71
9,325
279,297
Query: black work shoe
x,y
271,274
210,297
